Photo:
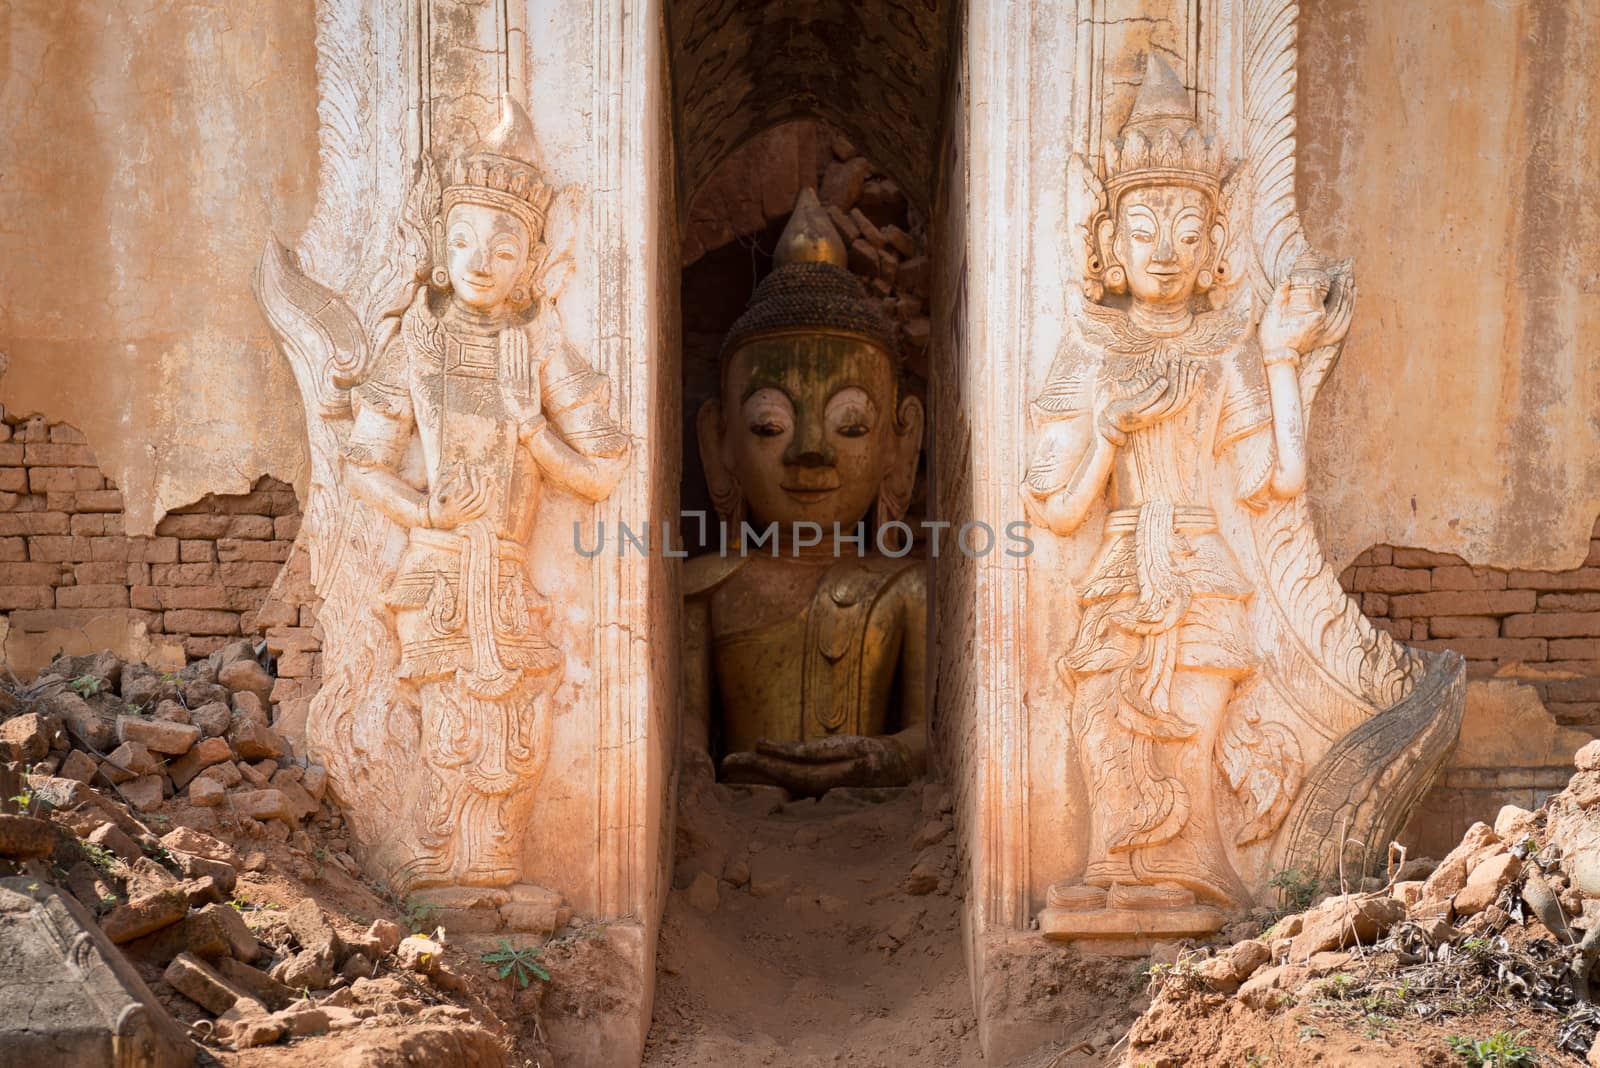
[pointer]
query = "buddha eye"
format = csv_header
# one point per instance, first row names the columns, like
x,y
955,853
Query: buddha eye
x,y
854,430
505,253
458,242
766,429
1144,237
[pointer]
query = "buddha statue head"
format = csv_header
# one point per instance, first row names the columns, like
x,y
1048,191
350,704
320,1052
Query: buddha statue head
x,y
488,238
810,424
1159,235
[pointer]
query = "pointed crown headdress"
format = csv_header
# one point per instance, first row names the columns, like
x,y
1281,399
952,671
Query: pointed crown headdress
x,y
499,172
1161,143
810,290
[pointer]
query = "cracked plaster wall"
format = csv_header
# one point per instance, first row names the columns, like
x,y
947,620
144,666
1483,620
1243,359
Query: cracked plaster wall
x,y
1450,148
146,152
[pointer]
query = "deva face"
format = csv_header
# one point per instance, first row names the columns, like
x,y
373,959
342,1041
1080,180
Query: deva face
x,y
809,428
1161,241
486,251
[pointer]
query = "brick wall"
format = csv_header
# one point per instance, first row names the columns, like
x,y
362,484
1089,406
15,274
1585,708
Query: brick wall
x,y
65,556
1538,627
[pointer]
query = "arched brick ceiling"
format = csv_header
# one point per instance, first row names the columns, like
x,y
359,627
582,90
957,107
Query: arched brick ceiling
x,y
874,69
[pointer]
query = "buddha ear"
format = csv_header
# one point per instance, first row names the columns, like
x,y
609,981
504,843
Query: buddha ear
x,y
726,496
894,493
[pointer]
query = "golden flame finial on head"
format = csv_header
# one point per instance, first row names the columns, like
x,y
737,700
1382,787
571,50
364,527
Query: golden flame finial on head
x,y
500,171
810,236
1161,143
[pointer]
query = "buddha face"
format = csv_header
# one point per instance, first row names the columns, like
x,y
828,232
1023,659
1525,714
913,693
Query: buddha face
x,y
486,251
1162,241
809,429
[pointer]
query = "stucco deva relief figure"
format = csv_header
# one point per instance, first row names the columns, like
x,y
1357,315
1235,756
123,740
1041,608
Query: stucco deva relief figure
x,y
447,407
1232,714
804,664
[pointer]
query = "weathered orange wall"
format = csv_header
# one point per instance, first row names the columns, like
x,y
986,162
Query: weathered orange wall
x,y
147,151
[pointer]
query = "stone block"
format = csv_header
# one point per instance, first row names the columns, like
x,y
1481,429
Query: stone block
x,y
26,838
79,765
206,752
144,915
25,738
198,982
197,933
67,995
247,676
207,793
259,984
159,736
113,838
263,804
144,793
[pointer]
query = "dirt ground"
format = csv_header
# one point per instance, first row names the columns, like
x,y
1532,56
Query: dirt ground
x,y
802,934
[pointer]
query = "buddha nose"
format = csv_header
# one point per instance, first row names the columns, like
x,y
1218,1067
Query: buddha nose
x,y
809,447
478,263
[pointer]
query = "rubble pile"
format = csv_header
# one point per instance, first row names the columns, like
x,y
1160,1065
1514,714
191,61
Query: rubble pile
x,y
145,808
1500,937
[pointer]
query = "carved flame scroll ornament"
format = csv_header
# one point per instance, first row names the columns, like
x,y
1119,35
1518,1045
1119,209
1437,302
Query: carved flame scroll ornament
x,y
1233,713
442,410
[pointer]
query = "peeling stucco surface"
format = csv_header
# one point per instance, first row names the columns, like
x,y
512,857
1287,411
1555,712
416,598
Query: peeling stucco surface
x,y
1450,148
146,152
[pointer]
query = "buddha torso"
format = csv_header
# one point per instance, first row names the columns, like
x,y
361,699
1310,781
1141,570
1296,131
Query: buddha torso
x,y
802,650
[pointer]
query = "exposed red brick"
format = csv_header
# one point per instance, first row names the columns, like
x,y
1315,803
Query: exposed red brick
x,y
1390,580
30,523
201,622
63,479
15,597
1463,627
1575,649
92,597
94,525
1468,578
1553,625
1569,602
55,547
1464,603
1424,558
47,455
1500,649
1584,578
249,574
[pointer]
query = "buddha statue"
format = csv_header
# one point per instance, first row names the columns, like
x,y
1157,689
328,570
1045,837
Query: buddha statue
x,y
804,658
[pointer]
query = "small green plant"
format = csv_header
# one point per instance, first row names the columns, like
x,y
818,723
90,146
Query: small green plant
x,y
522,963
420,915
98,855
136,710
1336,987
1296,888
1500,1050
86,685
